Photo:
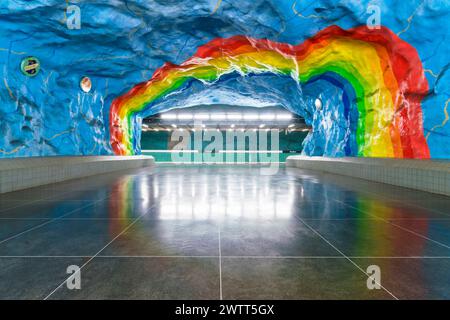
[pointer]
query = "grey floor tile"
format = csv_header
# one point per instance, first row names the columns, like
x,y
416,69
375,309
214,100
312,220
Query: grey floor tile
x,y
45,209
413,278
12,227
330,209
147,278
167,238
64,238
33,278
375,238
271,238
282,279
112,209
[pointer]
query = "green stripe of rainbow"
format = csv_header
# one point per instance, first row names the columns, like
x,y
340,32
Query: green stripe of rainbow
x,y
384,71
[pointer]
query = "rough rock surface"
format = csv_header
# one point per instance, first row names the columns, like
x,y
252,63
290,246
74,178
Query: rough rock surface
x,y
121,43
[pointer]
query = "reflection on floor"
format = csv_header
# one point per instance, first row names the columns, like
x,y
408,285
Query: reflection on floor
x,y
211,232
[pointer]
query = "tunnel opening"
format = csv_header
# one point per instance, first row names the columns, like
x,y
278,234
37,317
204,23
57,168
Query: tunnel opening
x,y
223,134
330,126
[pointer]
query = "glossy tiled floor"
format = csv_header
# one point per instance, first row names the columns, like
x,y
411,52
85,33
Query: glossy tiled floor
x,y
210,232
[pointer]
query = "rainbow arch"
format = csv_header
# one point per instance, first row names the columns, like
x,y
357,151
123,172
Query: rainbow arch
x,y
384,72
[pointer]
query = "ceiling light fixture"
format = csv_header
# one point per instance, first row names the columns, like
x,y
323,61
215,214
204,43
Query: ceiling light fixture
x,y
168,116
251,116
234,116
284,116
185,116
218,116
201,116
267,116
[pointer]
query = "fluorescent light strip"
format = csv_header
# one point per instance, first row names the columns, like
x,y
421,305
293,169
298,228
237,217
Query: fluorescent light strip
x,y
218,116
168,116
250,151
201,116
228,116
185,116
263,163
234,116
284,116
267,116
251,116
170,151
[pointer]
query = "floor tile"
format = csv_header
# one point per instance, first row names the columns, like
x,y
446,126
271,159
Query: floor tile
x,y
437,230
295,279
413,278
12,227
45,209
167,238
64,238
112,209
393,209
147,278
33,278
324,210
271,238
375,238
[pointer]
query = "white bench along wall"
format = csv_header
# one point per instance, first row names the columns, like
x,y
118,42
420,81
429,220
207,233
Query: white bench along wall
x,y
22,173
425,175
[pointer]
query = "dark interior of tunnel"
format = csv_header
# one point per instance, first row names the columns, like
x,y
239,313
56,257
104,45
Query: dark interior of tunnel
x,y
212,122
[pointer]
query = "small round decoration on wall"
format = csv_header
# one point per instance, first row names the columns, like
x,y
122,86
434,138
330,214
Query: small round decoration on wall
x,y
86,84
30,66
318,104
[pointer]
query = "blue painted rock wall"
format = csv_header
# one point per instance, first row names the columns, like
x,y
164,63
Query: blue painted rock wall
x,y
121,43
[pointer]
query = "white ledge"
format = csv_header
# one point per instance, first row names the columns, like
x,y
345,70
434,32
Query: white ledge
x,y
22,173
425,175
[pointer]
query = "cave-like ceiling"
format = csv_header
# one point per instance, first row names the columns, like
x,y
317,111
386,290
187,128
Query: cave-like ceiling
x,y
380,68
